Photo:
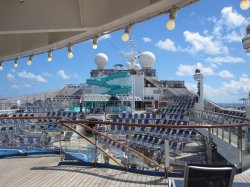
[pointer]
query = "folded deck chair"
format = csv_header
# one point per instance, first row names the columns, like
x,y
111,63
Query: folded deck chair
x,y
208,175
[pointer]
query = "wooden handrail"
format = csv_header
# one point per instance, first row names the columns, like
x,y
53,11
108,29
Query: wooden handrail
x,y
63,120
126,146
154,125
90,141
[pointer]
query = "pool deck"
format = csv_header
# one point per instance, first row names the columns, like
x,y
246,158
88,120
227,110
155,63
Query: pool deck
x,y
44,171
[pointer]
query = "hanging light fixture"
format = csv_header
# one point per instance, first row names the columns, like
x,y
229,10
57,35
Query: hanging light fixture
x,y
70,54
1,65
244,4
29,62
16,63
49,55
125,36
94,45
171,24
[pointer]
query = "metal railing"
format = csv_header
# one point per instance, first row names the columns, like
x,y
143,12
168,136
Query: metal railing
x,y
120,145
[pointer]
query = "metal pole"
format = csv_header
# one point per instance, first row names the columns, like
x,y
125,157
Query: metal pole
x,y
95,148
209,147
60,144
166,143
127,139
240,147
133,93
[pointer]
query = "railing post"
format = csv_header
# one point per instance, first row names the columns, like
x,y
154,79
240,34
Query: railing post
x,y
95,147
166,144
240,146
60,143
247,140
127,141
209,147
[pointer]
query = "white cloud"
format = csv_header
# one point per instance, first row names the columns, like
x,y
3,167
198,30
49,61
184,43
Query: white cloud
x,y
62,74
146,39
230,91
104,37
20,86
225,74
46,74
191,87
225,59
10,77
167,45
242,85
206,44
233,37
184,70
231,18
28,75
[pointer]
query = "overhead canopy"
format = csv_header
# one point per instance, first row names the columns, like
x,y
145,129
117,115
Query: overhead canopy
x,y
33,26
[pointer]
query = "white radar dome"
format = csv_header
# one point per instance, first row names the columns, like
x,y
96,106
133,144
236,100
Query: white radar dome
x,y
128,65
137,67
147,59
101,60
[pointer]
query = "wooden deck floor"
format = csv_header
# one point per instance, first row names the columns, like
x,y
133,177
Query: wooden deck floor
x,y
43,171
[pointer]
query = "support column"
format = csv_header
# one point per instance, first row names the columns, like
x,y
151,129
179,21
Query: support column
x,y
247,130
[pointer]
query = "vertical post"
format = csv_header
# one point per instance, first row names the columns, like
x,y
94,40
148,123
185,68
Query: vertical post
x,y
127,139
209,147
60,143
133,93
95,147
247,144
240,146
166,143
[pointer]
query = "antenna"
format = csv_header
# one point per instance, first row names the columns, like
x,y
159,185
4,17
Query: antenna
x,y
132,54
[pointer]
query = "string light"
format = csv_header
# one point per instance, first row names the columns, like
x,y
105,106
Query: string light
x,y
94,45
1,66
29,62
171,24
70,54
125,36
244,4
16,63
49,55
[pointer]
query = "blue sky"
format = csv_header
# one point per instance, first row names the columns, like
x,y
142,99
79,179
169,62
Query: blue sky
x,y
207,36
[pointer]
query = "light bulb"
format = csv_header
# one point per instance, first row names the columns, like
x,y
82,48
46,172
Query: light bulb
x,y
244,4
170,25
94,45
16,63
49,56
29,62
1,67
70,54
125,37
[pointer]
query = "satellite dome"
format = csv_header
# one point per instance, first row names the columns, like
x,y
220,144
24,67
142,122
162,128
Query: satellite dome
x,y
197,71
137,67
128,65
147,59
248,29
101,60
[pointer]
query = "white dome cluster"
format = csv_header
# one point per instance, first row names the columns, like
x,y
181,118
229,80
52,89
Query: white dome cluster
x,y
128,65
101,60
147,59
137,67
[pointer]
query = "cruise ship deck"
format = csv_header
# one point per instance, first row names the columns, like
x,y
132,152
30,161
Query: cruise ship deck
x,y
44,171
